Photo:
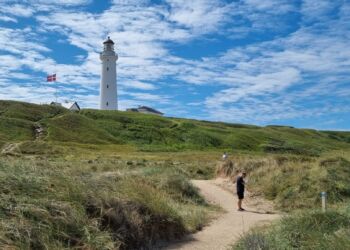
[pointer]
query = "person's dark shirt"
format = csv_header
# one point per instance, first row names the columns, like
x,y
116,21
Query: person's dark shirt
x,y
240,184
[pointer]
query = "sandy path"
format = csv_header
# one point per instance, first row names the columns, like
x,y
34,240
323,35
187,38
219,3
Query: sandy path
x,y
224,231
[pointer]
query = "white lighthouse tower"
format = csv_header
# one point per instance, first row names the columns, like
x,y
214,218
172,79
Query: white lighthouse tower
x,y
108,86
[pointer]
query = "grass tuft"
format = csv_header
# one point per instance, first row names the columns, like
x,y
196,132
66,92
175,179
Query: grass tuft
x,y
303,230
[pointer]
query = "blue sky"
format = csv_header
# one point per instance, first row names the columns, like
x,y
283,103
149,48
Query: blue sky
x,y
247,61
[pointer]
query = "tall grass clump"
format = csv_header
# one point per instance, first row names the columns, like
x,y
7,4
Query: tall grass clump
x,y
138,214
293,181
42,208
59,204
179,187
304,230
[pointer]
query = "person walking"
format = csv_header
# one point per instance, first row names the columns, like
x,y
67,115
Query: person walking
x,y
224,156
240,183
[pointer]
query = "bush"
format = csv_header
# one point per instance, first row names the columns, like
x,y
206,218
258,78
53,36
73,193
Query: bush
x,y
226,169
60,204
133,224
253,241
336,179
180,187
304,230
293,181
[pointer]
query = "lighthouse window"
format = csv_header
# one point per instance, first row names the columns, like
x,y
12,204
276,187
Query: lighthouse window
x,y
107,68
107,86
107,104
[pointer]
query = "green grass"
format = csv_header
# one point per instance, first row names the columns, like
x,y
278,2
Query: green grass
x,y
154,133
15,129
295,182
28,111
73,127
119,180
303,230
96,204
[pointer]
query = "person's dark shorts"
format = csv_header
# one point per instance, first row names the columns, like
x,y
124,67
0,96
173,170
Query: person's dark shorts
x,y
240,195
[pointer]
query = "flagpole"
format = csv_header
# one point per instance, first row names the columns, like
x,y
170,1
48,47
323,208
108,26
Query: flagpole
x,y
56,93
53,78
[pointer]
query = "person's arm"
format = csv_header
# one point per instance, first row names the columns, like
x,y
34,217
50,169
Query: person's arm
x,y
245,185
239,183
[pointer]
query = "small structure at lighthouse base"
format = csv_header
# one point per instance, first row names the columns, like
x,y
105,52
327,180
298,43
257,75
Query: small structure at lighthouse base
x,y
145,110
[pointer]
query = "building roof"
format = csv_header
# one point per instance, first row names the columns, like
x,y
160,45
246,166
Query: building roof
x,y
145,108
69,105
109,40
150,110
132,110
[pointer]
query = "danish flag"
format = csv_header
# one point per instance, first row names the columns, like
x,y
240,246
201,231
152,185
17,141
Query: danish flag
x,y
51,78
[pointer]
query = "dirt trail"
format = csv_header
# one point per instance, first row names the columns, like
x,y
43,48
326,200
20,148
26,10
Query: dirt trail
x,y
39,131
224,231
11,149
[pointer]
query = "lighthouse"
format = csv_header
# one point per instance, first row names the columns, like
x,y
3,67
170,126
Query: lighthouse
x,y
108,86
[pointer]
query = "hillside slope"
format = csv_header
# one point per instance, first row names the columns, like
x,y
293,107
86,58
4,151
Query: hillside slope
x,y
152,133
87,180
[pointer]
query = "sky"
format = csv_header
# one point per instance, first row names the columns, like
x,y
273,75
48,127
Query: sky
x,y
260,62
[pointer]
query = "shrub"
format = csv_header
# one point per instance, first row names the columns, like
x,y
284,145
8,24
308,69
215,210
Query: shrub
x,y
180,187
253,240
226,169
304,230
60,204
293,181
336,179
133,224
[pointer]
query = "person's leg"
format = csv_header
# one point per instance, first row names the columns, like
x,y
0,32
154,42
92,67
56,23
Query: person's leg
x,y
240,207
240,200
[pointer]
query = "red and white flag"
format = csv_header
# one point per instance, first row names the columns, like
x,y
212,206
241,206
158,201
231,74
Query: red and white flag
x,y
51,78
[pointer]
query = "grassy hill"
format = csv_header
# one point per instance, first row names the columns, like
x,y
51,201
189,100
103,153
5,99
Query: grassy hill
x,y
119,180
153,133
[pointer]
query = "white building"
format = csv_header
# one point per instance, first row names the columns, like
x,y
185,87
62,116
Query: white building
x,y
72,106
145,110
108,86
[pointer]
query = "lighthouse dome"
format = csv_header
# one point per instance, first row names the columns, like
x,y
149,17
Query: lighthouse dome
x,y
108,41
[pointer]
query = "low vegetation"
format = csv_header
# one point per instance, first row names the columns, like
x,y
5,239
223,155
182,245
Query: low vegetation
x,y
295,182
303,230
119,180
153,133
95,204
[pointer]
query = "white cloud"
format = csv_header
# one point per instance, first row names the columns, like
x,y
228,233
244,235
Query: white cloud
x,y
265,80
149,97
27,93
59,2
8,19
137,85
259,85
65,2
200,15
17,10
19,41
271,6
318,10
